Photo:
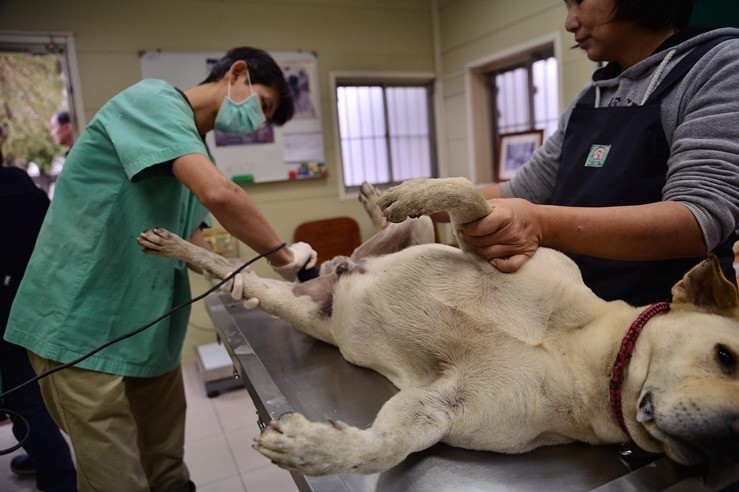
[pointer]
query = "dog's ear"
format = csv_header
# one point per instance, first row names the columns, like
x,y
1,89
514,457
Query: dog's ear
x,y
705,287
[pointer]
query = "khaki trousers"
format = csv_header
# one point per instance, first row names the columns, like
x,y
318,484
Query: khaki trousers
x,y
128,434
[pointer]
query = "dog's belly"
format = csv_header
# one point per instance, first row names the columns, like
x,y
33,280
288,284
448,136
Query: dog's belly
x,y
415,312
431,310
405,309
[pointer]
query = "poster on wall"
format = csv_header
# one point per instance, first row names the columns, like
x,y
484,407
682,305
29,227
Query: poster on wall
x,y
300,78
291,152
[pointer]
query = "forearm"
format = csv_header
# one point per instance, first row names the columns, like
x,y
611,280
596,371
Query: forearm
x,y
645,232
230,205
241,217
491,191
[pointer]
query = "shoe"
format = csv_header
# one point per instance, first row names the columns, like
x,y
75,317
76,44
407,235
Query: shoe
x,y
23,465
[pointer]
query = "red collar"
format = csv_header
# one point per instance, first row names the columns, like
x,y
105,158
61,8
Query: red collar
x,y
622,359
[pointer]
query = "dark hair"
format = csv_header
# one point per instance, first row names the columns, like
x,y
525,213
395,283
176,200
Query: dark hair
x,y
262,70
655,14
62,117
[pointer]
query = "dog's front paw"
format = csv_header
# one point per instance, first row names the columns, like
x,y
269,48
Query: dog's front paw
x,y
161,242
311,448
415,197
411,198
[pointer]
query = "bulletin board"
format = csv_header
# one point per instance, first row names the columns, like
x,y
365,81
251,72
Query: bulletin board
x,y
291,152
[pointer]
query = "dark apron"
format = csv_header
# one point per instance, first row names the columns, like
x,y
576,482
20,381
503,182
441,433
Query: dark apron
x,y
617,156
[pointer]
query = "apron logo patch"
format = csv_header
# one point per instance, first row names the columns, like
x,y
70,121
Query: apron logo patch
x,y
597,156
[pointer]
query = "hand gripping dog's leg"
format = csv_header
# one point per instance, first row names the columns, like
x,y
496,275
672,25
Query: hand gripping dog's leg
x,y
412,420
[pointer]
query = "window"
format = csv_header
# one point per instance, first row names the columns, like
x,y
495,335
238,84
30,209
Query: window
x,y
40,72
386,133
524,96
529,97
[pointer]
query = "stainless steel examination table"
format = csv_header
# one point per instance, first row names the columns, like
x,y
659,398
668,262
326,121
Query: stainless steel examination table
x,y
285,371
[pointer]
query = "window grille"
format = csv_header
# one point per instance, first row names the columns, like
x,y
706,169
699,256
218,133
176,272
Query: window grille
x,y
524,96
386,133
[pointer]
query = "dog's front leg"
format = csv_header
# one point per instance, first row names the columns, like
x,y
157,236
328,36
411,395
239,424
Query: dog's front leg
x,y
456,196
416,197
412,420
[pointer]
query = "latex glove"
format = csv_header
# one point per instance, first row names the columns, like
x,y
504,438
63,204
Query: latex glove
x,y
303,257
235,287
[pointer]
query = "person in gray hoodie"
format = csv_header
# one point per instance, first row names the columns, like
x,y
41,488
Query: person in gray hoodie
x,y
641,178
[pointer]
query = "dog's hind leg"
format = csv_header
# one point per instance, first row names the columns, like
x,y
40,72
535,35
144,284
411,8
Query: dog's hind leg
x,y
290,301
161,242
396,237
389,238
368,196
412,420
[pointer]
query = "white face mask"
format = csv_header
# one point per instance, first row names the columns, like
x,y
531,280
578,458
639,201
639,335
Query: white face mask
x,y
240,118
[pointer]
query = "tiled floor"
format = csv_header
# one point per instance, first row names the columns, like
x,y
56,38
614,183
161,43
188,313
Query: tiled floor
x,y
217,445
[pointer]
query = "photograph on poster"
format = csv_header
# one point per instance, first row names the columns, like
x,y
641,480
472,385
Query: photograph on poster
x,y
514,150
298,76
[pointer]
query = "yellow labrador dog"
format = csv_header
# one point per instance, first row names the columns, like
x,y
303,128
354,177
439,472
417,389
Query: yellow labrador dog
x,y
492,361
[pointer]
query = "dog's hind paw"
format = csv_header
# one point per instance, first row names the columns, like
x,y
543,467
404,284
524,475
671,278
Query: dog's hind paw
x,y
368,196
161,242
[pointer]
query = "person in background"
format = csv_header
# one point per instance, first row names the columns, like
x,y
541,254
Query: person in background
x,y
63,134
61,129
663,116
142,162
22,209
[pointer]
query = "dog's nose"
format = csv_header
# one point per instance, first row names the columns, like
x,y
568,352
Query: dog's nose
x,y
645,405
646,408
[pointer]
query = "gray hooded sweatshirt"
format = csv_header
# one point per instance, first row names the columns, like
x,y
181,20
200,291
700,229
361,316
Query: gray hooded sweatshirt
x,y
700,118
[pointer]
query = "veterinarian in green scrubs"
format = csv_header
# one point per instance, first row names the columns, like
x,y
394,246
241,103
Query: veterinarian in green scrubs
x,y
142,162
641,179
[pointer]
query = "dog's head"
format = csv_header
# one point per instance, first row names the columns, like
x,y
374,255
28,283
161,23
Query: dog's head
x,y
688,405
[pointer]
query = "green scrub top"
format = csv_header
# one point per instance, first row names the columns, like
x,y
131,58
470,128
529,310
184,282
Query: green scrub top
x,y
88,281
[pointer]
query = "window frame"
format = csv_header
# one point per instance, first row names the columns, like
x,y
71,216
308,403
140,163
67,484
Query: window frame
x,y
526,62
478,104
62,43
383,80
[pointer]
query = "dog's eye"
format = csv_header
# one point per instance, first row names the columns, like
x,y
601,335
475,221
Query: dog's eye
x,y
725,358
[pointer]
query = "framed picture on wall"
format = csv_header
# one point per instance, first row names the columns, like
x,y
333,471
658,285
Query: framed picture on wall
x,y
514,150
